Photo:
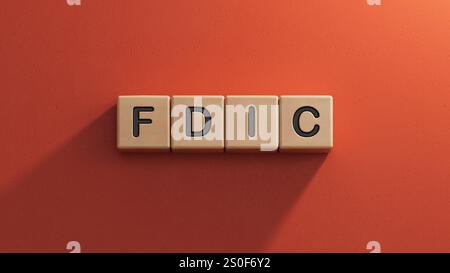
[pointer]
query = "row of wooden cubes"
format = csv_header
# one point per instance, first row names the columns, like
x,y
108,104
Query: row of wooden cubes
x,y
231,123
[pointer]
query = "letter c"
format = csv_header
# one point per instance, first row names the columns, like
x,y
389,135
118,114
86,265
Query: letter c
x,y
296,121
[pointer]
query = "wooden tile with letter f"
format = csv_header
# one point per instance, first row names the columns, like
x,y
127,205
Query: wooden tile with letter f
x,y
143,123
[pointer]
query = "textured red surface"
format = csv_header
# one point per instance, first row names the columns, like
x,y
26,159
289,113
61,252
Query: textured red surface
x,y
387,179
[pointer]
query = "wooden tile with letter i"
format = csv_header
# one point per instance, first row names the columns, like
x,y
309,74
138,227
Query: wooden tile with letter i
x,y
197,123
251,123
306,123
143,123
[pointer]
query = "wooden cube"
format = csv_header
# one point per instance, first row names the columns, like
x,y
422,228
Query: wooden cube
x,y
251,123
143,123
306,123
197,123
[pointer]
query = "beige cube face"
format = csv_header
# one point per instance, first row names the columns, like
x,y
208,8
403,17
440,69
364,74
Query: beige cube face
x,y
143,123
251,123
306,123
197,123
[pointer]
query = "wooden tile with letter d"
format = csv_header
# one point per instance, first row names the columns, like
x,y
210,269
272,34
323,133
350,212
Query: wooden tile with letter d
x,y
197,123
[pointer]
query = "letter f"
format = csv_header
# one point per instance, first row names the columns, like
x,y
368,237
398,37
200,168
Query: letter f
x,y
137,120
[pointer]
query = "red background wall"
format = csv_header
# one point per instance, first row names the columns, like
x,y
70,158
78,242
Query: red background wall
x,y
387,179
